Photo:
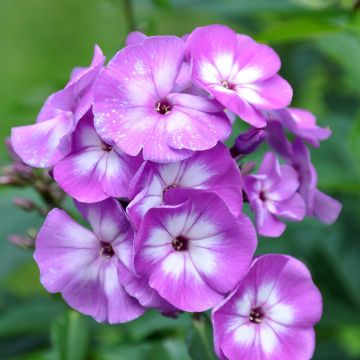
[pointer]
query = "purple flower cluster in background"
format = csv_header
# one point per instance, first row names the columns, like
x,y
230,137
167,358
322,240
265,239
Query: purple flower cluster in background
x,y
139,144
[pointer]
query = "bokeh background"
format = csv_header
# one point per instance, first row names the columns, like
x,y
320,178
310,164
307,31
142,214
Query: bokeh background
x,y
319,43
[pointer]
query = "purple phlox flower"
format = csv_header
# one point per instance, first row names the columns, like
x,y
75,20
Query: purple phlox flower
x,y
89,267
194,252
210,170
239,72
296,154
272,193
271,314
48,141
94,170
139,104
319,205
301,123
247,143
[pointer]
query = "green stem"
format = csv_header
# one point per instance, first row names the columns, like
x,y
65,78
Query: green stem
x,y
129,15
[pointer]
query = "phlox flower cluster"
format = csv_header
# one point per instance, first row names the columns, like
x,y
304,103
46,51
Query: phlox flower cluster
x,y
139,144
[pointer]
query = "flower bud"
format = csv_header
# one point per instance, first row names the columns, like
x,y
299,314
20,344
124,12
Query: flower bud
x,y
25,242
247,168
6,180
248,142
24,203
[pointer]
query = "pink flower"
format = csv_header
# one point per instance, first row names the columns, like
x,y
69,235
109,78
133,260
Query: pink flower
x,y
211,170
318,204
94,170
48,141
139,104
296,154
238,72
193,251
271,314
272,193
90,268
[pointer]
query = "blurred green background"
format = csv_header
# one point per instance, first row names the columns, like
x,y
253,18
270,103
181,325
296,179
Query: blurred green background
x,y
319,43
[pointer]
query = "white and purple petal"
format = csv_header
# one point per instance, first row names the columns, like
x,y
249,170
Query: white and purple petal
x,y
39,145
271,314
211,170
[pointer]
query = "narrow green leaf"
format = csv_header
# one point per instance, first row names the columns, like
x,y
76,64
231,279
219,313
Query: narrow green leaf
x,y
200,340
70,336
299,28
28,318
164,4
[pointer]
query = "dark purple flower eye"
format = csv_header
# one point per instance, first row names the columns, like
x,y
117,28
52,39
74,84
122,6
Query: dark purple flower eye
x,y
106,249
163,107
180,243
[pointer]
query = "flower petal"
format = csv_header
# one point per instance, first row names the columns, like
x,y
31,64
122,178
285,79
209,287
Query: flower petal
x,y
292,208
107,219
38,144
80,175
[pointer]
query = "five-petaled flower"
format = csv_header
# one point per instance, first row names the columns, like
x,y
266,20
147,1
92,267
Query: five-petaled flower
x,y
271,314
272,193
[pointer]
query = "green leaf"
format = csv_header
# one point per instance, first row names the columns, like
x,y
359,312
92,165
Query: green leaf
x,y
344,49
29,318
70,336
200,340
355,138
165,4
299,28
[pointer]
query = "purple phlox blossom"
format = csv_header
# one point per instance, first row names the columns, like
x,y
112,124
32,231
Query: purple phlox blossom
x,y
271,314
94,170
299,122
272,193
194,252
247,142
210,170
237,71
48,141
318,204
89,267
139,104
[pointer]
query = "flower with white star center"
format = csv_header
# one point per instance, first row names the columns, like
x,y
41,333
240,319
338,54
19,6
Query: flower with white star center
x,y
193,251
238,72
90,268
139,105
271,314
